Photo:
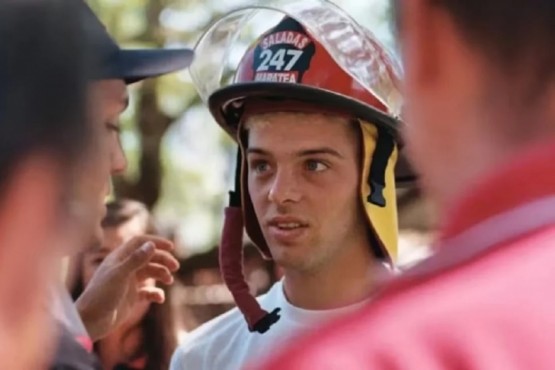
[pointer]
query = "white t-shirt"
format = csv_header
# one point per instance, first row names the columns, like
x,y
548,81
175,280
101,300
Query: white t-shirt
x,y
225,342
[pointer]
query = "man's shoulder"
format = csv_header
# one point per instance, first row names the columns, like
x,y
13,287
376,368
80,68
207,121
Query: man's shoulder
x,y
203,343
193,351
422,320
470,290
71,355
471,283
211,332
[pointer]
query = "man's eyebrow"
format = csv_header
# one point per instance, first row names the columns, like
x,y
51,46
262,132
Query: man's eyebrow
x,y
300,153
319,151
255,150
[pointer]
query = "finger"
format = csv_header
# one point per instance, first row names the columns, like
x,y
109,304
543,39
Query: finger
x,y
155,271
137,259
136,242
152,294
159,242
166,259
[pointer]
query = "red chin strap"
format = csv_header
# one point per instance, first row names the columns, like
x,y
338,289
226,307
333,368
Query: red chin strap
x,y
231,263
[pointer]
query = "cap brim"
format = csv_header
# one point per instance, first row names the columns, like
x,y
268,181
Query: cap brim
x,y
137,65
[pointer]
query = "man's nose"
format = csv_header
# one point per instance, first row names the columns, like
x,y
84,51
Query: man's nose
x,y
118,160
285,187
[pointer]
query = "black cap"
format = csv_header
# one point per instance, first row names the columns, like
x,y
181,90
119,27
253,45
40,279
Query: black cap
x,y
131,65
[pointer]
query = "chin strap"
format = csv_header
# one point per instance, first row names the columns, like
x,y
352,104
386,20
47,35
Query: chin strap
x,y
376,176
231,262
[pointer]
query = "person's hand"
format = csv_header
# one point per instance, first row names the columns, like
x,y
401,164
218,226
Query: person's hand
x,y
120,282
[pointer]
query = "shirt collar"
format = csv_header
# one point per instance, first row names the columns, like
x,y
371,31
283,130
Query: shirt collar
x,y
528,177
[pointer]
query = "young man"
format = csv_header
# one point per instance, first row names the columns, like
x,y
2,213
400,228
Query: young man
x,y
480,84
117,285
315,185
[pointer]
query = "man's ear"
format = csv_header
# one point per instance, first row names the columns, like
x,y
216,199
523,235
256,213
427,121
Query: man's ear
x,y
30,206
420,32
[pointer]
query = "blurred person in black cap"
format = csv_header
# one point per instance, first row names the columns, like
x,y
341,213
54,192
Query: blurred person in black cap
x,y
117,285
44,138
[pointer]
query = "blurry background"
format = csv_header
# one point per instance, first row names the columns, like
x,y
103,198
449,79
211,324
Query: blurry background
x,y
181,162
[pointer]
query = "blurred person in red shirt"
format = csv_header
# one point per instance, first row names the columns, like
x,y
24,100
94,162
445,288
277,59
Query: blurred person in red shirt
x,y
480,92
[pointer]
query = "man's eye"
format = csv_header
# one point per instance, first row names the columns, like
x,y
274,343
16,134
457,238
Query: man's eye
x,y
260,166
97,261
316,166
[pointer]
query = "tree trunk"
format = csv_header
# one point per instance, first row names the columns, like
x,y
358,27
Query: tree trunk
x,y
152,124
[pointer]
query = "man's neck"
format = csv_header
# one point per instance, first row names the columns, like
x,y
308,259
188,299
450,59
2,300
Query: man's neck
x,y
335,286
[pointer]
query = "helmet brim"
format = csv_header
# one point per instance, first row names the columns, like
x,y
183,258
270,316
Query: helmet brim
x,y
226,105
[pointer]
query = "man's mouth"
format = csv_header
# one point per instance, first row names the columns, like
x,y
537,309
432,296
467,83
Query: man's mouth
x,y
288,226
287,222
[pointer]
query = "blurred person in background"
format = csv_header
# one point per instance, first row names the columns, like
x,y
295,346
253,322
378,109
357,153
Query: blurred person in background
x,y
45,137
147,338
315,183
480,89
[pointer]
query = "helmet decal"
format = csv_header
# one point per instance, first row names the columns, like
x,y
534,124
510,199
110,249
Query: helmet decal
x,y
284,55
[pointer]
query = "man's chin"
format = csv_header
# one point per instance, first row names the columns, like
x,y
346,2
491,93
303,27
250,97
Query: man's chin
x,y
288,261
103,211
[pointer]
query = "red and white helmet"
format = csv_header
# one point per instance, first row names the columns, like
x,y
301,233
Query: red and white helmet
x,y
312,58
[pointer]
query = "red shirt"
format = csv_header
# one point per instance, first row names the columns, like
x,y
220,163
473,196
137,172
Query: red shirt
x,y
485,301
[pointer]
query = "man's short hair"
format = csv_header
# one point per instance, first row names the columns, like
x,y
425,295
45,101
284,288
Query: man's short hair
x,y
517,35
43,79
